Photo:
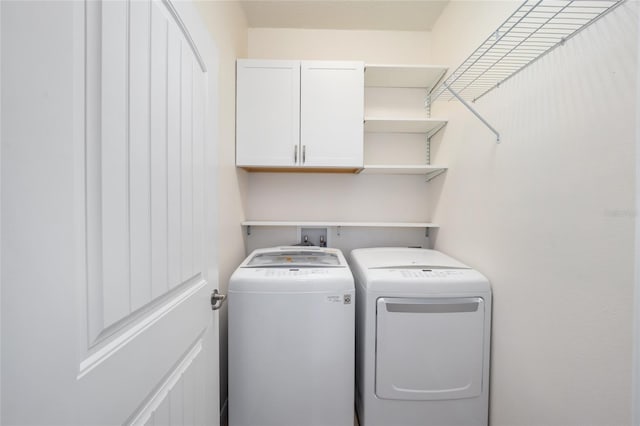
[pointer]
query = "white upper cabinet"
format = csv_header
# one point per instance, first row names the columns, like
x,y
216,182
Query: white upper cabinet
x,y
267,113
299,115
332,112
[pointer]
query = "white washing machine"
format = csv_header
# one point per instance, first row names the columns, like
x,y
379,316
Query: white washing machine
x,y
291,339
422,339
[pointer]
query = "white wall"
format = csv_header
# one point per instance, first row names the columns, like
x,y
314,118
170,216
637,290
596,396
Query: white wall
x,y
337,197
548,216
227,24
464,25
410,47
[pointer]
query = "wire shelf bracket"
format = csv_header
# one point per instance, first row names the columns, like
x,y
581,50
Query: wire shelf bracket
x,y
536,28
476,113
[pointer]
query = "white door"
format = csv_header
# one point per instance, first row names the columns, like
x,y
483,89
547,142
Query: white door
x,y
108,214
268,113
332,113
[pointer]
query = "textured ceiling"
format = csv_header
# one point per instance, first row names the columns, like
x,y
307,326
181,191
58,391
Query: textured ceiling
x,y
389,15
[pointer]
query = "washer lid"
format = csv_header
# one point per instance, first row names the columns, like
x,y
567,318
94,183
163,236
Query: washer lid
x,y
293,269
295,256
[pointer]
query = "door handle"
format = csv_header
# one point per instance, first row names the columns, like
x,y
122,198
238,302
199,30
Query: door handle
x,y
434,306
217,300
295,154
304,154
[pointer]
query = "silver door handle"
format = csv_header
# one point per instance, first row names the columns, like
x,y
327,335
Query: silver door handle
x,y
304,154
295,154
217,300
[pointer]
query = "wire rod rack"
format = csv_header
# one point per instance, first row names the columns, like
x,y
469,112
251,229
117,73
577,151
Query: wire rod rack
x,y
534,29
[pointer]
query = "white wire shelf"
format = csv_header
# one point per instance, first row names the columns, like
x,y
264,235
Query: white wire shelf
x,y
534,29
276,223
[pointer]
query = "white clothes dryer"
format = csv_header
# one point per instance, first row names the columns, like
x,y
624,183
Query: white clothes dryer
x,y
422,339
291,339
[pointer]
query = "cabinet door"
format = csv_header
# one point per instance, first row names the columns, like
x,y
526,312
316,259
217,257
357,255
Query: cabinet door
x,y
332,113
268,113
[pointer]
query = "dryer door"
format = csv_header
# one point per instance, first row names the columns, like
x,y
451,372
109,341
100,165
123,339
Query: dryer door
x,y
429,349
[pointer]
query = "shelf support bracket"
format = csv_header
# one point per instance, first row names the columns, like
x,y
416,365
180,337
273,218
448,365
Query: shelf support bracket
x,y
432,175
470,108
431,134
435,131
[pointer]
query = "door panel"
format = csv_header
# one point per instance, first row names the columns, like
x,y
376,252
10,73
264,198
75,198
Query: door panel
x,y
429,349
158,155
130,163
174,64
138,188
186,157
178,400
112,290
107,273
